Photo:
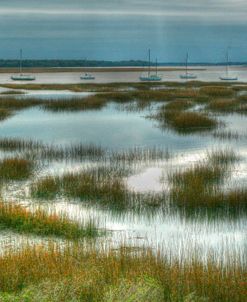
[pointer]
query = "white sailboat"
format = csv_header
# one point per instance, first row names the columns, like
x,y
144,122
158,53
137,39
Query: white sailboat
x,y
227,76
187,75
21,76
87,76
151,77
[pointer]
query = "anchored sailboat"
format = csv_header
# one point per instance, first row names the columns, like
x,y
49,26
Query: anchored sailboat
x,y
187,75
228,77
87,76
21,76
151,77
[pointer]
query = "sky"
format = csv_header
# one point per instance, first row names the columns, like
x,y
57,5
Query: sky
x,y
124,29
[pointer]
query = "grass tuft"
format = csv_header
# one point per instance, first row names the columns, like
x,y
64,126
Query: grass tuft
x,y
19,219
15,168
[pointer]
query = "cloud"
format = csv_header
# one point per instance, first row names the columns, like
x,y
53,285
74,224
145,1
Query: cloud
x,y
210,10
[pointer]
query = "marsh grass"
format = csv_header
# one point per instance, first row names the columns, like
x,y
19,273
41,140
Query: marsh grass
x,y
138,155
52,152
45,188
199,186
222,158
4,114
84,152
19,219
95,102
16,144
19,103
223,105
227,135
74,273
15,168
12,92
217,91
98,186
186,122
179,105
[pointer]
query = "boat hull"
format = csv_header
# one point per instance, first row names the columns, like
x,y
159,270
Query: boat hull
x,y
87,77
188,76
23,77
150,79
229,78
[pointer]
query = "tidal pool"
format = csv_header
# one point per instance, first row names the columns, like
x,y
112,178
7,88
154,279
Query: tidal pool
x,y
176,234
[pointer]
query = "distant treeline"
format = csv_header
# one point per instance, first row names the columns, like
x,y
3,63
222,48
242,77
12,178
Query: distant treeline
x,y
70,63
94,63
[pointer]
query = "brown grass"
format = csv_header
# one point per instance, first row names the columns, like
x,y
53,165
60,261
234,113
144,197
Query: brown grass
x,y
73,274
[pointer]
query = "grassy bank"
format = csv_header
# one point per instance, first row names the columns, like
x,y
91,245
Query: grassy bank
x,y
75,274
21,220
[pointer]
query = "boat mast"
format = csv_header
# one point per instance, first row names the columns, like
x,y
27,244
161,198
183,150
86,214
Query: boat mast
x,y
187,58
149,62
20,61
156,67
227,62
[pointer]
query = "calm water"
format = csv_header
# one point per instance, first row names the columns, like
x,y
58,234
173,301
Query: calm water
x,y
179,236
208,73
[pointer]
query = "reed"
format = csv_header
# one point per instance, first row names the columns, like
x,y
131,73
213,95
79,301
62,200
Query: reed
x,y
39,274
16,144
222,158
15,168
21,220
53,152
100,186
199,186
229,135
138,154
45,188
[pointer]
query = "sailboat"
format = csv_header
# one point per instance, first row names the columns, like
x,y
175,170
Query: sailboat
x,y
21,76
228,77
87,76
187,75
151,77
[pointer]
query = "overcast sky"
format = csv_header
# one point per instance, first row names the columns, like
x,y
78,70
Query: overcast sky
x,y
124,29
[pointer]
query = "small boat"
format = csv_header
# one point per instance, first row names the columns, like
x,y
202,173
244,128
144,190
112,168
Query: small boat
x,y
21,76
87,76
228,77
187,75
151,77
